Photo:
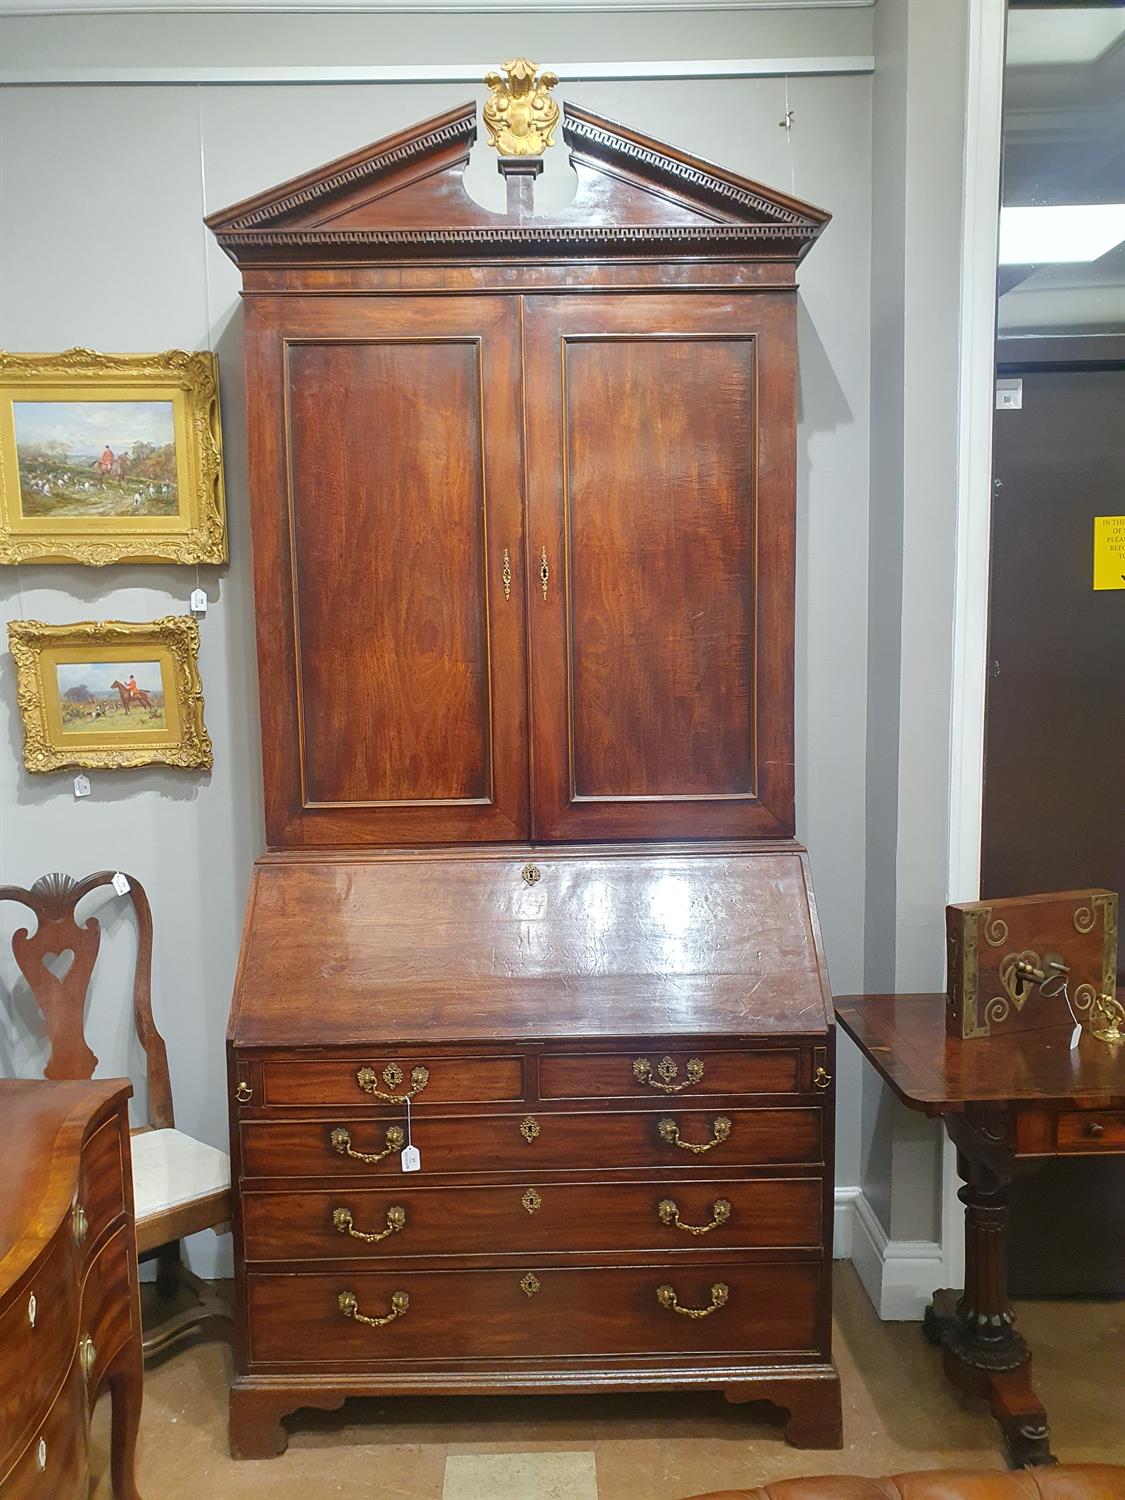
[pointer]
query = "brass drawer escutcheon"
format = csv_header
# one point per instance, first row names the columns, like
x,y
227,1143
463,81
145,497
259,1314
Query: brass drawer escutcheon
x,y
529,1128
349,1306
396,1220
666,1296
532,1201
368,1081
668,1073
720,1131
669,1213
530,1284
342,1142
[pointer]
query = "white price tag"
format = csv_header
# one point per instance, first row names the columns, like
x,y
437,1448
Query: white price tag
x,y
198,602
411,1159
1075,1037
81,786
121,884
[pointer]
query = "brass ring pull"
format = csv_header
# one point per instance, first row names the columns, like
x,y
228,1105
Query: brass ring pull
x,y
669,1214
396,1220
720,1131
822,1079
367,1079
243,1093
79,1224
349,1306
666,1068
86,1355
342,1142
544,572
666,1296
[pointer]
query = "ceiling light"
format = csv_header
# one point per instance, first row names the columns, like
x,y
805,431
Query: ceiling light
x,y
1059,233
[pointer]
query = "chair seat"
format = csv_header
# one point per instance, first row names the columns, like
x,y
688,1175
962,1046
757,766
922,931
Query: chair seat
x,y
172,1171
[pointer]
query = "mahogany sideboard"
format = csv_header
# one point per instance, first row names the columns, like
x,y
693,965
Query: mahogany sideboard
x,y
1009,1102
69,1309
619,1066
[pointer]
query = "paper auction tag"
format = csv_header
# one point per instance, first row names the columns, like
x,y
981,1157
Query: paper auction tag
x,y
120,884
81,786
411,1160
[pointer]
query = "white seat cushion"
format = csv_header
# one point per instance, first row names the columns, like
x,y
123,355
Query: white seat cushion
x,y
171,1169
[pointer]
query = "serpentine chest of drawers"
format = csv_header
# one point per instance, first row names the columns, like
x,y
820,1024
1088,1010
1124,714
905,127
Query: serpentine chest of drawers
x,y
69,1310
616,1069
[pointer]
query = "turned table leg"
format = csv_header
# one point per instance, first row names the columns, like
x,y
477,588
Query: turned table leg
x,y
983,1353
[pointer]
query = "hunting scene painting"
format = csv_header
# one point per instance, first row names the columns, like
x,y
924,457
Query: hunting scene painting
x,y
110,697
96,458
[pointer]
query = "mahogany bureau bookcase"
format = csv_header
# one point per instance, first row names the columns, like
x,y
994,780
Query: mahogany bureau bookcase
x,y
69,1309
532,912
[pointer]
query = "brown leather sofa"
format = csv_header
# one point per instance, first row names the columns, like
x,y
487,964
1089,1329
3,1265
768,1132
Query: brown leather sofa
x,y
1050,1482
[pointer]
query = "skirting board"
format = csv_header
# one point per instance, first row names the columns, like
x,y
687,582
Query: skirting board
x,y
900,1276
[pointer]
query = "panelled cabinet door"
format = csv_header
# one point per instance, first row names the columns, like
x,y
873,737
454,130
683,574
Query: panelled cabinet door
x,y
660,433
386,447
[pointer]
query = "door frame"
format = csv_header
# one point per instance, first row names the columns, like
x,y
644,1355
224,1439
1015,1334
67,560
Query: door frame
x,y
980,228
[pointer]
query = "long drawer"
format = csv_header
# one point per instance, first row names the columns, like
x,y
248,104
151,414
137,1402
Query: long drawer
x,y
378,1077
531,1311
529,1143
408,1220
658,1074
38,1331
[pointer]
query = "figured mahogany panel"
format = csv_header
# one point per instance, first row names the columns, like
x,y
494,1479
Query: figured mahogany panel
x,y
387,457
467,1314
592,1217
660,452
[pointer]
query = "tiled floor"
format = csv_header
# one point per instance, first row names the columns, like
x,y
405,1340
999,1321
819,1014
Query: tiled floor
x,y
898,1414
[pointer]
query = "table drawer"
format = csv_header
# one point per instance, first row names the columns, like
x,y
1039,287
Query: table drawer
x,y
411,1220
101,1191
530,1143
53,1465
1090,1130
390,1077
654,1073
532,1311
38,1334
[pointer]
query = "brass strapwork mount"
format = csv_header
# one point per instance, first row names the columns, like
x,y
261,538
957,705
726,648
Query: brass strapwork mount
x,y
519,112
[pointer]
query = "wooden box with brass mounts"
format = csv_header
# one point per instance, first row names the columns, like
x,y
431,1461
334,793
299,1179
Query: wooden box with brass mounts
x,y
524,499
1030,962
69,1312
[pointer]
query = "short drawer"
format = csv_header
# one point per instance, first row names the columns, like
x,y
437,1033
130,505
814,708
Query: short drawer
x,y
532,1311
408,1220
388,1078
101,1192
543,1141
662,1075
38,1332
53,1465
1090,1130
107,1306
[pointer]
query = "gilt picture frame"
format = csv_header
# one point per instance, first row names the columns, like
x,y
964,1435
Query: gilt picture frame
x,y
110,694
111,458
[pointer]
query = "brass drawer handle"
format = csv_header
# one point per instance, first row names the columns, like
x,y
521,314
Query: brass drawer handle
x,y
642,1072
86,1355
1095,1128
349,1306
79,1224
367,1079
670,1214
396,1220
342,1142
822,1079
720,1131
666,1296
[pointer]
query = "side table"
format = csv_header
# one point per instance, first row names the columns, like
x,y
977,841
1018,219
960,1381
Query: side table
x,y
1007,1103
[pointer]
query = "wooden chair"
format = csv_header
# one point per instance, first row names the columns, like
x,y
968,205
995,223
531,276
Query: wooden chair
x,y
180,1185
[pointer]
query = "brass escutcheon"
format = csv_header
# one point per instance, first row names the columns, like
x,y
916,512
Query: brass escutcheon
x,y
530,1284
529,1128
532,874
532,1201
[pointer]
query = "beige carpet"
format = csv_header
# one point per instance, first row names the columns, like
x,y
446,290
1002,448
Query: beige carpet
x,y
898,1414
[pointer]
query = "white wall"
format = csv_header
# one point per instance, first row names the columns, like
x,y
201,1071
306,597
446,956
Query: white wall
x,y
106,248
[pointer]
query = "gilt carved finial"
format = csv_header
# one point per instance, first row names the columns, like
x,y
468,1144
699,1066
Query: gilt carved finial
x,y
520,114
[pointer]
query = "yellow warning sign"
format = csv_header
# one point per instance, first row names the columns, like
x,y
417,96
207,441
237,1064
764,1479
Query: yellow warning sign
x,y
1109,552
